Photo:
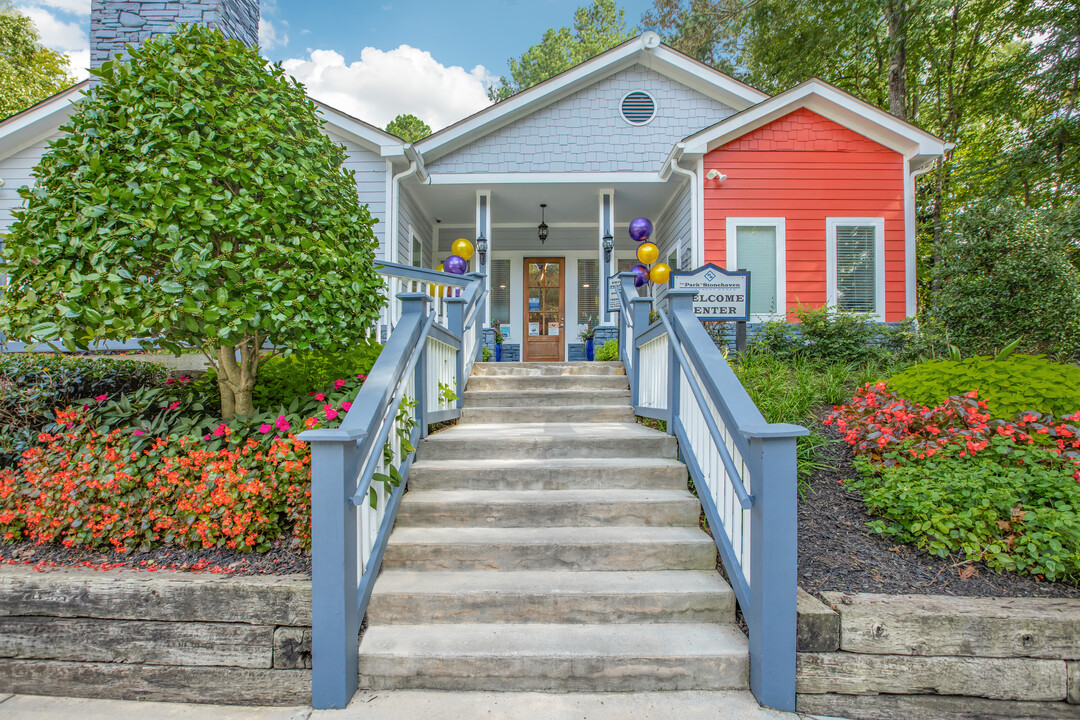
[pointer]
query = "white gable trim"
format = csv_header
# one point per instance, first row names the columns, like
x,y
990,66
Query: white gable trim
x,y
366,135
641,50
38,121
829,102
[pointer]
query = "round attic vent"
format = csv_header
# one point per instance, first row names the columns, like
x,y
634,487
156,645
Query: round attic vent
x,y
638,108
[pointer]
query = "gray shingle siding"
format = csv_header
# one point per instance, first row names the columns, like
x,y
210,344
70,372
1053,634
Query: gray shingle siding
x,y
585,132
673,229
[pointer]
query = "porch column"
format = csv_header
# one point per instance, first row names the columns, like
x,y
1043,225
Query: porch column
x,y
483,228
606,227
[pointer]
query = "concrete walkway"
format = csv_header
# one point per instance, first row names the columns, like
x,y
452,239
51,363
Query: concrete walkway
x,y
425,704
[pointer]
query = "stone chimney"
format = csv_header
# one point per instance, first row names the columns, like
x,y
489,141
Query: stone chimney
x,y
116,23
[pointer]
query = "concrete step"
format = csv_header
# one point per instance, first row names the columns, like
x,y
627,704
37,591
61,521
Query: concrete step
x,y
548,508
549,382
548,368
509,473
545,398
567,414
562,658
546,441
670,596
556,548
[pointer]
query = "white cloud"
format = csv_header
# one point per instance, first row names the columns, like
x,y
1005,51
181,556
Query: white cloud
x,y
384,84
56,33
73,7
268,35
79,61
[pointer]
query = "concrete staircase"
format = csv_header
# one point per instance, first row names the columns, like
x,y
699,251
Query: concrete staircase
x,y
549,543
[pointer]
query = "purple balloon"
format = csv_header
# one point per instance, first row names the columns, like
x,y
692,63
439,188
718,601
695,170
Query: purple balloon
x,y
640,229
455,264
642,275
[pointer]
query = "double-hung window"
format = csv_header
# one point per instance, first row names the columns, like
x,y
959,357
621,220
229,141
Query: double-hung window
x,y
757,244
855,264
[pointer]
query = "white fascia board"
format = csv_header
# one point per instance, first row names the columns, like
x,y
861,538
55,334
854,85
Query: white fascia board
x,y
38,121
367,136
531,178
662,59
829,102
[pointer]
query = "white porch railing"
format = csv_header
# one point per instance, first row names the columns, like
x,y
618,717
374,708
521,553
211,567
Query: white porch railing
x,y
742,467
359,470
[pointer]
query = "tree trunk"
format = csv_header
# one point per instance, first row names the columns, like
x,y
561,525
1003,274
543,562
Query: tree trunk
x,y
237,378
896,18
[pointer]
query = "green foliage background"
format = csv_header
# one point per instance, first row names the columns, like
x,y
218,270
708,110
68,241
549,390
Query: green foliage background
x,y
28,71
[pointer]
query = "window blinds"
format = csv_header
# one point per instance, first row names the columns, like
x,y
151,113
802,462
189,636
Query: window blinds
x,y
500,290
755,250
856,273
588,291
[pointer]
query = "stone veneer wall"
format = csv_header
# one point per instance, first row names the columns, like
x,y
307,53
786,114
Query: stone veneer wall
x,y
886,657
177,637
116,23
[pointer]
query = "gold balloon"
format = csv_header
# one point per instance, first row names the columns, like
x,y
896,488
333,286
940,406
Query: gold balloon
x,y
439,289
660,273
462,247
647,253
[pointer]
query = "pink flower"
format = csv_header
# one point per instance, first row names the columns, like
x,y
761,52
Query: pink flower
x,y
338,384
174,406
362,376
220,430
170,381
101,398
281,423
320,397
346,406
137,433
264,428
206,437
331,413
185,378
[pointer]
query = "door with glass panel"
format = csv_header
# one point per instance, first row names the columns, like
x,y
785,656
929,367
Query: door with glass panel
x,y
544,319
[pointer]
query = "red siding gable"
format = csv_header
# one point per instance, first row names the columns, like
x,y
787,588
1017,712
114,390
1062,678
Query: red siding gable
x,y
805,168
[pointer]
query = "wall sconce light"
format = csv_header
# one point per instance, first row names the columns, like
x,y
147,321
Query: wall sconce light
x,y
715,175
481,247
609,245
542,228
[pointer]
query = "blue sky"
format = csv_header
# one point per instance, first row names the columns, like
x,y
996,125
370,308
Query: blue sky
x,y
376,59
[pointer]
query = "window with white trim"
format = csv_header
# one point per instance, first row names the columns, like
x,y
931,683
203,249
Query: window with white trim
x,y
855,264
757,244
417,249
500,290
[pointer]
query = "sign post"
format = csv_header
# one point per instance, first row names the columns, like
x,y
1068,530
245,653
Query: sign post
x,y
719,295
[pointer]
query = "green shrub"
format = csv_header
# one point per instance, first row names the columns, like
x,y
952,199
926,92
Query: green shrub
x,y
1016,384
1014,507
777,338
1005,272
486,353
33,385
608,351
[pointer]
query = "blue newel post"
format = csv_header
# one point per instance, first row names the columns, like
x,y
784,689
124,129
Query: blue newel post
x,y
590,353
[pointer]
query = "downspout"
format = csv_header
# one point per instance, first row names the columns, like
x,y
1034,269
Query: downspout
x,y
699,231
395,196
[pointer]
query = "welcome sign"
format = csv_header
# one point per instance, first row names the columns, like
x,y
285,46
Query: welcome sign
x,y
719,294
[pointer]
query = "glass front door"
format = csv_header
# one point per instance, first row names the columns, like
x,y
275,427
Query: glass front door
x,y
544,319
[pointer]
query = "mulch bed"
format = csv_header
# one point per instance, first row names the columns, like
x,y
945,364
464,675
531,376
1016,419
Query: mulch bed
x,y
838,552
281,560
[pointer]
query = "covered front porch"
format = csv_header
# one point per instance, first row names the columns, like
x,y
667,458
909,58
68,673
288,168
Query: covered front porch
x,y
545,292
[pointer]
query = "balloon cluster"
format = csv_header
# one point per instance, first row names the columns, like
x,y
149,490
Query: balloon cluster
x,y
458,261
640,231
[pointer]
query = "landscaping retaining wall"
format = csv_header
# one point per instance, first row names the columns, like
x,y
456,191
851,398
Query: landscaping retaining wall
x,y
884,657
178,637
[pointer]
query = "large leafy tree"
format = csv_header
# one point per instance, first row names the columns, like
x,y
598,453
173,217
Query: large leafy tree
x,y
28,71
596,28
194,203
409,128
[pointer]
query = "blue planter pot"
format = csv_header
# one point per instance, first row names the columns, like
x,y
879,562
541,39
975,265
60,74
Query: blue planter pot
x,y
590,354
498,353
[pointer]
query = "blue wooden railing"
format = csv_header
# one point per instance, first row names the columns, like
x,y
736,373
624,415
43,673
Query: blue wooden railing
x,y
742,467
418,379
